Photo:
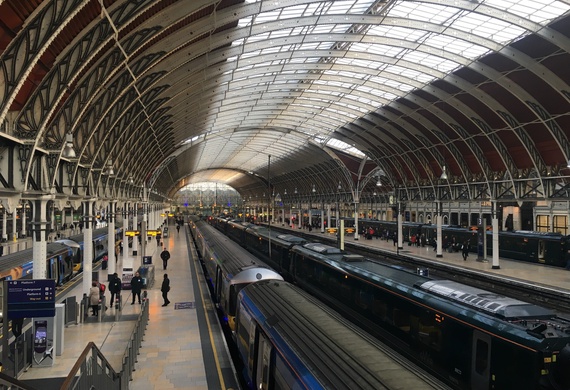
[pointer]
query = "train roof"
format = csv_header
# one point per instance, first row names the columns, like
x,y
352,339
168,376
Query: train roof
x,y
255,274
97,233
19,258
499,305
536,321
278,237
318,343
233,258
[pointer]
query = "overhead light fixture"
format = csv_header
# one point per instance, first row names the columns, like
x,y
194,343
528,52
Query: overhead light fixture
x,y
131,181
68,151
568,164
339,186
110,170
378,183
443,174
314,190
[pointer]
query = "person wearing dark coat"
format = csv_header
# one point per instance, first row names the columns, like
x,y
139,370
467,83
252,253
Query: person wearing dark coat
x,y
114,288
165,288
165,256
465,250
137,284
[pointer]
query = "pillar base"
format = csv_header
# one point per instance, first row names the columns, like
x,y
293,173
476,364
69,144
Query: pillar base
x,y
400,248
495,267
482,261
438,256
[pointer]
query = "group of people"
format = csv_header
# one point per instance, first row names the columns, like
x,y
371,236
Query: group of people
x,y
97,289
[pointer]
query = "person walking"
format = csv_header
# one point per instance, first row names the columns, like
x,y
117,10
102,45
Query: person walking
x,y
465,250
165,256
114,288
165,288
94,296
137,284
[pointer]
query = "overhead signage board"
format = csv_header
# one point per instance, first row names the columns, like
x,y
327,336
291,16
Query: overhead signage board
x,y
153,233
132,233
31,298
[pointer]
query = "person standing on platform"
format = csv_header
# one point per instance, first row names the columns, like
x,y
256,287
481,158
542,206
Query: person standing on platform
x,y
137,284
165,256
94,296
465,250
178,229
114,288
165,288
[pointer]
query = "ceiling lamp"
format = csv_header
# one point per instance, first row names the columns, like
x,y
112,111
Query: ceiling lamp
x,y
443,174
378,183
68,151
132,181
110,170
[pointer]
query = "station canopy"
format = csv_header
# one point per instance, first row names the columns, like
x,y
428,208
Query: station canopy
x,y
470,96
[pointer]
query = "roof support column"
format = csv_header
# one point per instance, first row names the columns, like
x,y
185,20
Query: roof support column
x,y
40,233
438,221
88,222
135,227
111,255
495,225
400,233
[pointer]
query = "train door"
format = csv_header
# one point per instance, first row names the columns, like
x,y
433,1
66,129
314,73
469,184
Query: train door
x,y
218,286
541,251
263,361
480,361
52,269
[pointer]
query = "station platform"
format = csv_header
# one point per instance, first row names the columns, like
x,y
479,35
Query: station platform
x,y
532,273
183,346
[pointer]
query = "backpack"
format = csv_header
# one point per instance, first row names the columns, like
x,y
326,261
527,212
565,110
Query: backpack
x,y
102,288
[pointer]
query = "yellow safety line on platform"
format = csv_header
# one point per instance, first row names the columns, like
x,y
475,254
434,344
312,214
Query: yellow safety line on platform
x,y
211,336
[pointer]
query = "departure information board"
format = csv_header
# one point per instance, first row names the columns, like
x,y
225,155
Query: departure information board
x,y
31,298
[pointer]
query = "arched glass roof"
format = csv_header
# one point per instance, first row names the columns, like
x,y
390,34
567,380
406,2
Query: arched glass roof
x,y
289,93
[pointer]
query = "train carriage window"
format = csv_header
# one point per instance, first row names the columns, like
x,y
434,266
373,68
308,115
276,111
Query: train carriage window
x,y
346,291
402,320
363,299
481,356
429,333
379,309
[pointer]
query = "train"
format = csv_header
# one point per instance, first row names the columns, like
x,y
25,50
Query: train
x,y
228,267
64,258
99,246
287,339
470,338
536,247
284,337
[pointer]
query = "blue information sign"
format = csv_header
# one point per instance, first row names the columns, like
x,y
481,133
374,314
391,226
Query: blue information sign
x,y
31,298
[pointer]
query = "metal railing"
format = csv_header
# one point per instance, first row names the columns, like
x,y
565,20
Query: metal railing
x,y
93,371
10,383
134,344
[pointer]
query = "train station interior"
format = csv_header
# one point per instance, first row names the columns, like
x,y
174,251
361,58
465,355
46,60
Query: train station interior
x,y
304,113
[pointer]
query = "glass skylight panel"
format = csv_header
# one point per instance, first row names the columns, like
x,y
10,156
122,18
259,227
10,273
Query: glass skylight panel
x,y
430,61
343,146
539,11
268,16
386,50
430,12
484,26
